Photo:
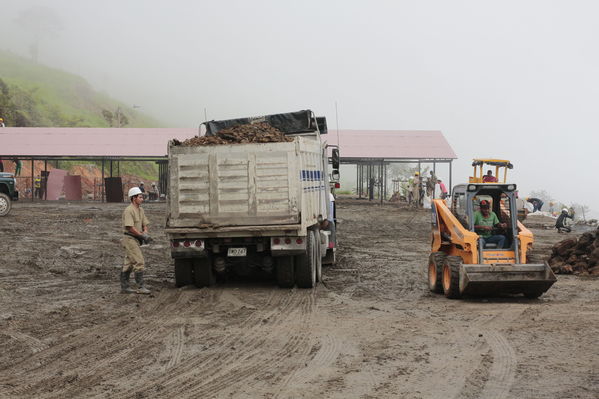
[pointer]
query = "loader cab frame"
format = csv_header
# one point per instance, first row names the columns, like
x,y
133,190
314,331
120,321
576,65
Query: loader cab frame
x,y
465,200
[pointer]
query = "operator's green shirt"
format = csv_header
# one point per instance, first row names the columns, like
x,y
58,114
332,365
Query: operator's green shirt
x,y
480,220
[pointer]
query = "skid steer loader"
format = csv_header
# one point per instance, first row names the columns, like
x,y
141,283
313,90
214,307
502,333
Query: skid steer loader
x,y
462,262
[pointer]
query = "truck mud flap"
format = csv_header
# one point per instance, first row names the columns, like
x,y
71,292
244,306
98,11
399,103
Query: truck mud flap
x,y
532,280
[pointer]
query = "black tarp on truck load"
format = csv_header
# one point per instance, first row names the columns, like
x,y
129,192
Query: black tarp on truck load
x,y
288,123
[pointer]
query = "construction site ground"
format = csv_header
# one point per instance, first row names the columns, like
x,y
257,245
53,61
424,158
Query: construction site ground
x,y
372,330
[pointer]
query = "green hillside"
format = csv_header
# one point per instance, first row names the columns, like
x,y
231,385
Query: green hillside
x,y
32,94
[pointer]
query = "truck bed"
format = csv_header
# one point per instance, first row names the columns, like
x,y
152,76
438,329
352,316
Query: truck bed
x,y
246,185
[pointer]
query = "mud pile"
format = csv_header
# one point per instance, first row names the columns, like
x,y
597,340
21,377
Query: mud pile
x,y
577,256
251,133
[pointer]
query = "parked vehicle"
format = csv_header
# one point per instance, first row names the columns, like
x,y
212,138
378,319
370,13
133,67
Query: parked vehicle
x,y
8,192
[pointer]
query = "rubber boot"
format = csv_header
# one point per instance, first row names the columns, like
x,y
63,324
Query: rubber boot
x,y
125,289
139,279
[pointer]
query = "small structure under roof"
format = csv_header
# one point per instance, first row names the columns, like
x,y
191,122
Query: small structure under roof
x,y
373,150
107,145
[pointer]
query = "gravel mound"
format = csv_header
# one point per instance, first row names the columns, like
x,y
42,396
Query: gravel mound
x,y
251,133
577,255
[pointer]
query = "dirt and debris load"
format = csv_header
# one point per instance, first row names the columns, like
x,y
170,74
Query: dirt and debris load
x,y
250,133
577,256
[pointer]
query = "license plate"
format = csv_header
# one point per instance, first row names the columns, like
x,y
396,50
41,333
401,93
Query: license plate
x,y
237,252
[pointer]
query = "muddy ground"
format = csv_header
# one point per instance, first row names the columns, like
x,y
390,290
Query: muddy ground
x,y
373,330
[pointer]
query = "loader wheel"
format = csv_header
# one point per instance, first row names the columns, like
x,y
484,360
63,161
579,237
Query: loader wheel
x,y
435,271
305,264
451,277
285,274
183,272
203,273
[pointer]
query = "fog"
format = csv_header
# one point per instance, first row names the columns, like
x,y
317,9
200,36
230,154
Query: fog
x,y
506,79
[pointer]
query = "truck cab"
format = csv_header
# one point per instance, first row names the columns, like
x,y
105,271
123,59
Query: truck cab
x,y
8,192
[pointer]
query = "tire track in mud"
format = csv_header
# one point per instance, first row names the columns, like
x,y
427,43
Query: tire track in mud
x,y
200,376
33,343
503,369
295,329
112,350
502,372
229,372
330,347
181,374
175,347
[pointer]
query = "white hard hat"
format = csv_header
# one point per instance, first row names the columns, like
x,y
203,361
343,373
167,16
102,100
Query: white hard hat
x,y
141,183
565,210
134,191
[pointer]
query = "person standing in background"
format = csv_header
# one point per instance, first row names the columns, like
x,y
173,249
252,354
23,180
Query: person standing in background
x,y
2,122
443,189
18,166
430,185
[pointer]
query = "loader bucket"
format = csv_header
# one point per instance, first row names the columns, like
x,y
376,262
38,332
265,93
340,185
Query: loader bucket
x,y
532,280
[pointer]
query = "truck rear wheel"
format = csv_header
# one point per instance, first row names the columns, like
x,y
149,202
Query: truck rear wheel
x,y
305,264
451,277
5,204
435,271
285,273
183,272
203,273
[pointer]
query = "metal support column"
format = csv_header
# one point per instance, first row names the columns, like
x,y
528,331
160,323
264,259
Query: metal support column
x,y
44,181
450,186
102,182
32,179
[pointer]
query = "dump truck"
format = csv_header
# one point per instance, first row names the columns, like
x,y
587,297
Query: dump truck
x,y
252,208
469,258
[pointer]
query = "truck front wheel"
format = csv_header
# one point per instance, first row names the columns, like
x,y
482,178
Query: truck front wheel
x,y
4,204
305,264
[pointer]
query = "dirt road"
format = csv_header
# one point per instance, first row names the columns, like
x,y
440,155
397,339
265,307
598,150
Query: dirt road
x,y
372,330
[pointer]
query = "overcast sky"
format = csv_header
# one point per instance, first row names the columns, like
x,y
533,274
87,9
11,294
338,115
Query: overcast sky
x,y
508,79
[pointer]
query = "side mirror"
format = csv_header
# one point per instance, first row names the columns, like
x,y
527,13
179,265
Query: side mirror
x,y
335,175
335,159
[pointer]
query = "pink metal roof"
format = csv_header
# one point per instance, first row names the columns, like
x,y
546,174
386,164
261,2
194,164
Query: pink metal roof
x,y
149,142
398,144
89,142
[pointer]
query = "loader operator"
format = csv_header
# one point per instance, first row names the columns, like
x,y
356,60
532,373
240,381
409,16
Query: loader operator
x,y
135,227
484,222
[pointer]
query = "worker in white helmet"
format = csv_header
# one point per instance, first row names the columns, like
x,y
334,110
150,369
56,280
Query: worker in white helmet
x,y
135,228
561,223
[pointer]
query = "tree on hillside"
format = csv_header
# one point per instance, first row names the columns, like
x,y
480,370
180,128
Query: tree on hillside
x,y
40,22
116,118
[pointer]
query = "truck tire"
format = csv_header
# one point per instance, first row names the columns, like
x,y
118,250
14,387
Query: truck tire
x,y
318,257
285,273
5,204
435,271
451,277
203,272
183,272
305,264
